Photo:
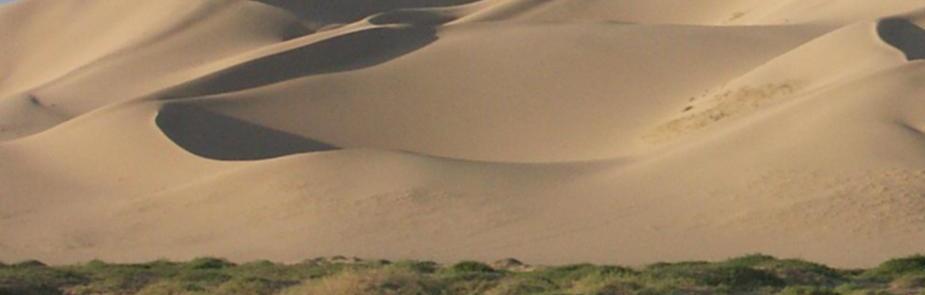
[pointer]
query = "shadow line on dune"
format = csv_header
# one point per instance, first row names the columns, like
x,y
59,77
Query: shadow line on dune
x,y
219,137
904,35
323,12
351,51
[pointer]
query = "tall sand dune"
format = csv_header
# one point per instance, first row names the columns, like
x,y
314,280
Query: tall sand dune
x,y
554,131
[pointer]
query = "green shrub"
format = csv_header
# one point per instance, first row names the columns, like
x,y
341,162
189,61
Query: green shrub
x,y
369,282
582,278
523,285
575,271
249,286
30,263
469,277
804,290
862,288
734,276
740,277
896,267
269,271
203,278
119,278
616,289
31,278
427,267
471,267
209,263
799,272
791,271
751,260
172,288
95,264
608,287
909,281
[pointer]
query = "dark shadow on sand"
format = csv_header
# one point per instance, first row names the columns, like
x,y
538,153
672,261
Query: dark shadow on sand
x,y
904,35
347,52
323,12
220,137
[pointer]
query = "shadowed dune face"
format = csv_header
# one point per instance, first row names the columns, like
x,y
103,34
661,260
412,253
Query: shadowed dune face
x,y
904,35
414,17
216,136
350,51
324,12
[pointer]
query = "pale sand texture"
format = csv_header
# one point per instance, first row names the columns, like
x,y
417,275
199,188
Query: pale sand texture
x,y
554,131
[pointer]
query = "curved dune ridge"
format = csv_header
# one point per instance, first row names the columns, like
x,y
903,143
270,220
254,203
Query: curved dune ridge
x,y
555,131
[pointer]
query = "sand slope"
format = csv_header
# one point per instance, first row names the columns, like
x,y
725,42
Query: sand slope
x,y
553,131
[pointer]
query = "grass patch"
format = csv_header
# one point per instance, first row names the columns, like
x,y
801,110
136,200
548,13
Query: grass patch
x,y
467,267
897,267
35,278
752,274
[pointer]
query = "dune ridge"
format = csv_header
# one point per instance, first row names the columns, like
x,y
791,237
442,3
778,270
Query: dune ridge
x,y
555,131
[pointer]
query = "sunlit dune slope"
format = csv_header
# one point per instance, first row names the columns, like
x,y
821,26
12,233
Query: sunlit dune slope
x,y
555,131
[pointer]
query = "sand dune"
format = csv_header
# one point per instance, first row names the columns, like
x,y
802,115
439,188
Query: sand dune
x,y
554,131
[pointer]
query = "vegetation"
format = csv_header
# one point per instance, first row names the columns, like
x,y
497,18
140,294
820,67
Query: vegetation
x,y
754,274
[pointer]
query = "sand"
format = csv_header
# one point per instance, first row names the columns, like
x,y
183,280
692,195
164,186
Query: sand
x,y
556,131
